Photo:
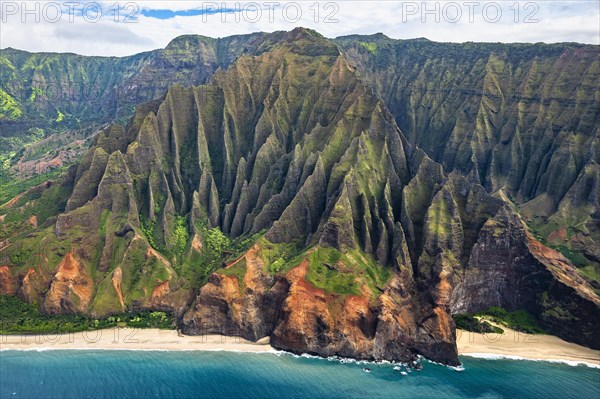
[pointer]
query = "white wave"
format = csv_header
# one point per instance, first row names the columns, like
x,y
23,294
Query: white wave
x,y
455,368
494,356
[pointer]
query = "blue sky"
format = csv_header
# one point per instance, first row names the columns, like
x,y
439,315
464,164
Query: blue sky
x,y
192,12
100,28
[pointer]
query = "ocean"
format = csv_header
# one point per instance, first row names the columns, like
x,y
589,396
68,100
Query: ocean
x,y
64,374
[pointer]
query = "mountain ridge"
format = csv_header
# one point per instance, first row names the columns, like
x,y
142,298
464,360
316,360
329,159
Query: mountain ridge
x,y
358,243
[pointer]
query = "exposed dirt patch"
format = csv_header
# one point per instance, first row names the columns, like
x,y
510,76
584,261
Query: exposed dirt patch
x,y
197,243
7,282
558,235
151,253
13,201
71,289
161,290
116,282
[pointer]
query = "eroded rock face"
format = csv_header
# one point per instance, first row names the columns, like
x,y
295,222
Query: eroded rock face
x,y
32,285
510,269
247,308
309,325
301,318
71,289
360,327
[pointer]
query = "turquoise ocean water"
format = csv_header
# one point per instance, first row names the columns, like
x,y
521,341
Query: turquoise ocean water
x,y
148,374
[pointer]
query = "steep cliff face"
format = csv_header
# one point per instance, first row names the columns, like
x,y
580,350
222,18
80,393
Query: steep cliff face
x,y
347,239
378,322
504,113
510,269
246,305
523,118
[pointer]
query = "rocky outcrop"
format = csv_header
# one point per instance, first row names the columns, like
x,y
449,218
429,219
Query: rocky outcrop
x,y
32,285
308,324
247,307
301,318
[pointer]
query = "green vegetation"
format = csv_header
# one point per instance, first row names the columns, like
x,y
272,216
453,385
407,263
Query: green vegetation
x,y
346,273
20,255
17,316
35,91
196,267
553,309
329,269
160,320
370,46
215,244
238,270
11,187
241,244
180,236
276,266
12,147
592,272
575,256
218,249
43,203
290,253
193,266
148,230
324,273
585,267
468,322
9,108
518,320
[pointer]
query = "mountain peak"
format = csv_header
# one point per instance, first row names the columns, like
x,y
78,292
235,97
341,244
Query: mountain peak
x,y
305,32
309,42
186,40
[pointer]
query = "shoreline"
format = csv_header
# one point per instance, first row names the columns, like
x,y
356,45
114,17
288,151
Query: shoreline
x,y
510,345
135,339
515,345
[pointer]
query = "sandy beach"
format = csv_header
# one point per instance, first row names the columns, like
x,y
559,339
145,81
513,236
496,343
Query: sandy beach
x,y
511,344
132,339
515,345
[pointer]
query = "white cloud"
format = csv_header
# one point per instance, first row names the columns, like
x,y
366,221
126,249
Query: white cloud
x,y
557,22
